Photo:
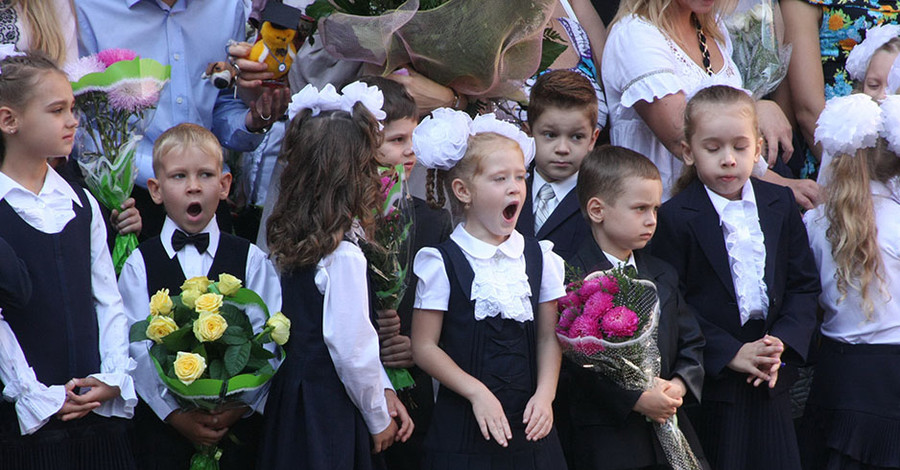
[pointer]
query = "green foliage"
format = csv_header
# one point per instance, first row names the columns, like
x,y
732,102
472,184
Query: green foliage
x,y
552,46
138,331
235,336
217,370
236,358
181,339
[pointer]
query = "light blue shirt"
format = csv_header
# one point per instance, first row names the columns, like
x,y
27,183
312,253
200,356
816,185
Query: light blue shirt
x,y
187,36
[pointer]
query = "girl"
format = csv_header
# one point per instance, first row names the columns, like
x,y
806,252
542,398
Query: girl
x,y
71,336
330,393
486,305
741,252
853,238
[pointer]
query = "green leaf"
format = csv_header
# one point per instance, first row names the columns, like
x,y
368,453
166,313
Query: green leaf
x,y
235,316
246,296
257,351
217,370
552,47
256,363
138,331
235,336
158,352
236,358
320,9
180,339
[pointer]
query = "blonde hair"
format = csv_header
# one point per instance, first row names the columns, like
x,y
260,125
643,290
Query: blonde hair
x,y
44,27
851,219
654,11
181,137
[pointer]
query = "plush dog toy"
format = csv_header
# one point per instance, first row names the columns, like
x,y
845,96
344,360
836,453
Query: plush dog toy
x,y
222,74
276,48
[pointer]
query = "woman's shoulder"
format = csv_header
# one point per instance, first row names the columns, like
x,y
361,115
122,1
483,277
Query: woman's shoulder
x,y
632,28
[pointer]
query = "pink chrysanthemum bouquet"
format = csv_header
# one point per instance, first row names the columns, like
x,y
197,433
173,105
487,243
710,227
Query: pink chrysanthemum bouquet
x,y
114,90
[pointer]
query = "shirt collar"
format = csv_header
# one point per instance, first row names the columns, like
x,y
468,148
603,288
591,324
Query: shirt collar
x,y
719,202
53,184
513,247
616,262
169,227
560,188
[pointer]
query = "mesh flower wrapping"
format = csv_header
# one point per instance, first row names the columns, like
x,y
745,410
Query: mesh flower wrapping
x,y
763,63
602,344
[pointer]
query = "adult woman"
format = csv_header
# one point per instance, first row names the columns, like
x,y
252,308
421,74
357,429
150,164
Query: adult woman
x,y
682,49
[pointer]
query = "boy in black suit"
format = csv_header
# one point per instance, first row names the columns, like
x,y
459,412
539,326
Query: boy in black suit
x,y
562,118
620,192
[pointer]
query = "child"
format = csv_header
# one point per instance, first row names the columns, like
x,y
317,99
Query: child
x,y
189,183
620,191
486,306
431,226
854,241
562,117
331,393
741,253
72,332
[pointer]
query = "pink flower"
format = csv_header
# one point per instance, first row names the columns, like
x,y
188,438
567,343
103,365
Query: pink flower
x,y
111,56
134,95
620,322
566,318
589,288
598,305
570,300
83,66
589,348
610,284
585,326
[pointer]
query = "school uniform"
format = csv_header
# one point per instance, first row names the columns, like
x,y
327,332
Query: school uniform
x,y
15,284
327,398
606,433
741,426
71,326
488,295
155,265
565,226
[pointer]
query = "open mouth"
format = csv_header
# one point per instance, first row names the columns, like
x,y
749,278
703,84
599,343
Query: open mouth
x,y
194,209
509,212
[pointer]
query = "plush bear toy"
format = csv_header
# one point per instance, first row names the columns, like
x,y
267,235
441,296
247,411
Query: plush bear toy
x,y
276,47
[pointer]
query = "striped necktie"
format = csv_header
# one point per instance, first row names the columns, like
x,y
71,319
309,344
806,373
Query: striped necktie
x,y
542,206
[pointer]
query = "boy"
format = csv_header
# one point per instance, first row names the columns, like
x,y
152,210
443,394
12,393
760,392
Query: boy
x,y
620,192
189,183
431,227
562,117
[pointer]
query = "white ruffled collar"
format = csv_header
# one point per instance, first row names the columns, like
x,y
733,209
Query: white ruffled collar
x,y
513,247
719,202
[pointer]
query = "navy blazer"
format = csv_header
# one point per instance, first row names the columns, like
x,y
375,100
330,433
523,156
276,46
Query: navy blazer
x,y
565,227
15,283
689,236
600,411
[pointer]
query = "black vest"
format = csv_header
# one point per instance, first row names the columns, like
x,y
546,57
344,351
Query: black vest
x,y
166,273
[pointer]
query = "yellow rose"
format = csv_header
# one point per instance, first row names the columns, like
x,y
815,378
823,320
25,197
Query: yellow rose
x,y
160,327
160,303
209,327
189,297
282,328
208,303
228,284
189,367
199,283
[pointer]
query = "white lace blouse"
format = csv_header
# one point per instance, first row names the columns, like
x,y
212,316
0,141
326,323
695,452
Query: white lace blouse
x,y
500,286
641,63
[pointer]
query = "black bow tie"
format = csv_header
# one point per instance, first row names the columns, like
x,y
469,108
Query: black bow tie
x,y
181,239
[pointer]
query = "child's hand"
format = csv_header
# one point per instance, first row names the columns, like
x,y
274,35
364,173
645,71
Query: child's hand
x,y
538,417
388,324
757,358
656,404
128,220
97,393
224,419
396,352
75,406
773,369
674,388
490,417
398,412
196,426
384,439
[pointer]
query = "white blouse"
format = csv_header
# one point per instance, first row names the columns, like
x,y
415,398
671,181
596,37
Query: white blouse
x,y
500,286
845,319
49,211
641,63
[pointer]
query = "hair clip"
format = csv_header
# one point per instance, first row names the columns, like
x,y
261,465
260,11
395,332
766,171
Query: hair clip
x,y
859,57
490,123
890,110
328,99
849,123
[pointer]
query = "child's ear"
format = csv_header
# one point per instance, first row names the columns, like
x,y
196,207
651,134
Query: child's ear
x,y
594,136
224,185
686,154
759,147
8,120
595,208
461,191
154,190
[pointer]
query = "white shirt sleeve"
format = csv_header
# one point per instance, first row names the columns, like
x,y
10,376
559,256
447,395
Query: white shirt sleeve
x,y
115,364
262,278
133,287
552,279
349,334
35,402
433,288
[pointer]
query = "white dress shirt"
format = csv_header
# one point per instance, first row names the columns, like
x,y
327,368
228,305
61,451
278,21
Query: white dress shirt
x,y
349,334
845,318
433,289
560,190
616,262
745,243
260,276
49,211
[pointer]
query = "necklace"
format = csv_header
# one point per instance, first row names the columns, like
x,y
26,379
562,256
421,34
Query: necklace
x,y
707,63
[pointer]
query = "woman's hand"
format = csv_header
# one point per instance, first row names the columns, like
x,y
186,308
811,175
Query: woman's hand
x,y
775,129
428,94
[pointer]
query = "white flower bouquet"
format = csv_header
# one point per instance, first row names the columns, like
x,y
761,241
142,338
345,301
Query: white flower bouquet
x,y
763,63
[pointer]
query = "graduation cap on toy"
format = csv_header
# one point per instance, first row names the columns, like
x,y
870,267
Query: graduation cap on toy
x,y
281,15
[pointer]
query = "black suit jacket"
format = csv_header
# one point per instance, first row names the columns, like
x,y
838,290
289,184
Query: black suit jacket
x,y
565,227
600,411
689,237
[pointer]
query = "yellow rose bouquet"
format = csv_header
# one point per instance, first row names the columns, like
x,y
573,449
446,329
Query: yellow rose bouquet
x,y
204,347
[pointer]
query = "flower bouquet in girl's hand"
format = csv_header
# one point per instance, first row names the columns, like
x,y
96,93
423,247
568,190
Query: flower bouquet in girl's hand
x,y
608,325
761,60
204,347
389,257
114,91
